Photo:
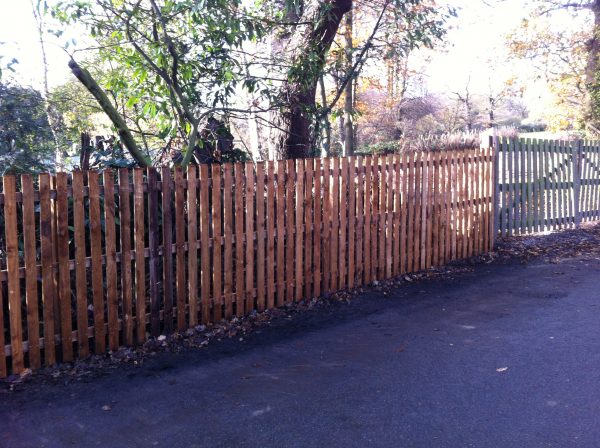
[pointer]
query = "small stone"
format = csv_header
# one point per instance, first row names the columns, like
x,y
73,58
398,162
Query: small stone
x,y
106,407
161,338
200,328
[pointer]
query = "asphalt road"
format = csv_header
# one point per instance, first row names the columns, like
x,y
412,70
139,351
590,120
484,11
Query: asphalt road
x,y
506,356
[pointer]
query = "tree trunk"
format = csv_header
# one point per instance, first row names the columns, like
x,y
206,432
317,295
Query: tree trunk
x,y
293,118
349,90
54,118
327,124
115,117
592,73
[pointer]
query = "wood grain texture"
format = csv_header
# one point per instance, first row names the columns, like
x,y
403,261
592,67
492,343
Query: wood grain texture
x,y
260,237
217,237
12,264
96,254
270,245
80,268
239,239
280,228
110,250
48,287
299,250
167,253
181,287
153,241
140,260
193,244
31,277
126,276
205,271
228,239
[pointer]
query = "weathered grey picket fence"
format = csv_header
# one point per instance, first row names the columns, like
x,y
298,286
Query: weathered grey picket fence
x,y
546,185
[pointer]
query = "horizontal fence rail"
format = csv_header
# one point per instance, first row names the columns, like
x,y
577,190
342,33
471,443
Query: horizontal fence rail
x,y
93,261
546,185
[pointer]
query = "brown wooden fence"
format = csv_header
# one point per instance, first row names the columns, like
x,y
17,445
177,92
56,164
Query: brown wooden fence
x,y
94,261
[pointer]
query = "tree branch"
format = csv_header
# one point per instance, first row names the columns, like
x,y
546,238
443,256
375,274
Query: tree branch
x,y
122,129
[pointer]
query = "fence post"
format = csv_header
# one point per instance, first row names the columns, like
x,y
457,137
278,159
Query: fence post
x,y
496,187
576,153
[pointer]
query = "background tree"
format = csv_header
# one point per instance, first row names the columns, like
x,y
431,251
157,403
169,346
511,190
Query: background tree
x,y
182,63
26,140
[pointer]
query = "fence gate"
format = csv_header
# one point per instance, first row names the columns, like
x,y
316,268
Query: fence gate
x,y
546,185
589,197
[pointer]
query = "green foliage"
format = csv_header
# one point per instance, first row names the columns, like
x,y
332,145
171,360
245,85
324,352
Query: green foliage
x,y
594,105
382,148
174,61
442,142
26,142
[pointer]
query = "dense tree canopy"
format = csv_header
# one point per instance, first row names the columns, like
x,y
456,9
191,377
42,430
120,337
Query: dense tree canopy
x,y
26,143
164,68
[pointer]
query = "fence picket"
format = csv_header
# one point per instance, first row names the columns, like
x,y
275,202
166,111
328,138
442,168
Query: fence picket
x,y
396,214
389,215
308,228
64,280
381,226
180,280
31,277
352,189
140,259
316,205
270,248
326,255
192,242
289,229
360,226
299,250
228,239
12,264
411,198
374,217
335,223
239,239
126,278
96,254
217,243
343,223
153,251
3,367
280,231
110,251
80,269
167,254
250,217
48,287
367,222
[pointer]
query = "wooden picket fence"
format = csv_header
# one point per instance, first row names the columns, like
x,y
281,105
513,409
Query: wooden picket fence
x,y
546,185
93,261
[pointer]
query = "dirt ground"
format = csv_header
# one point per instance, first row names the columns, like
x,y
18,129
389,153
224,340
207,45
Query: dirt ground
x,y
499,351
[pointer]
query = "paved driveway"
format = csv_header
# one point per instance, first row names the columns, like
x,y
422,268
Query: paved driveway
x,y
506,356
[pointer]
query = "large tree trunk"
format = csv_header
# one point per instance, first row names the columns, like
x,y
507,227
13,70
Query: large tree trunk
x,y
592,73
293,118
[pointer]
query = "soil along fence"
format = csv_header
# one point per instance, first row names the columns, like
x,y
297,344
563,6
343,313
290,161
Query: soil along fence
x,y
546,185
93,261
